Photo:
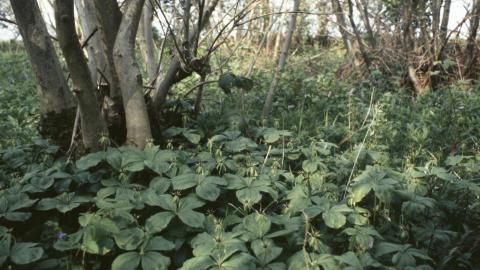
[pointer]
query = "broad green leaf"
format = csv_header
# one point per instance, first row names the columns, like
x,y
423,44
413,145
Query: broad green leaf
x,y
334,219
97,240
90,160
185,181
265,250
24,253
129,239
242,261
192,136
191,218
359,191
159,243
155,261
257,224
198,263
126,261
208,191
158,222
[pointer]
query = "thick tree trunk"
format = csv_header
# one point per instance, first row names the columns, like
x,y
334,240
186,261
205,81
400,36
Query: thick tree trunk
x,y
109,18
92,124
57,106
137,120
175,73
147,47
88,23
281,61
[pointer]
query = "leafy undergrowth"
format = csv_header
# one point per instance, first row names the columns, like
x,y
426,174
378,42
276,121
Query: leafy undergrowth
x,y
18,102
236,202
346,176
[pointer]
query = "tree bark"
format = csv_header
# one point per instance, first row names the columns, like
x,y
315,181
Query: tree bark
x,y
361,46
363,8
445,20
57,107
281,61
92,124
471,49
175,73
342,26
137,120
147,47
88,23
109,18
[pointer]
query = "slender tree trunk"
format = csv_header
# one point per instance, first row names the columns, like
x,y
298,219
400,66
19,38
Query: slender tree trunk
x,y
342,26
147,47
92,123
278,37
361,46
88,23
281,61
175,73
471,49
445,20
57,107
363,8
137,120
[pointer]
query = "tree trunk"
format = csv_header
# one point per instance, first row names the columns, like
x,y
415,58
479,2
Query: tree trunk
x,y
361,46
363,8
147,47
57,107
88,23
175,73
342,26
109,18
108,21
137,120
445,20
471,49
92,124
281,61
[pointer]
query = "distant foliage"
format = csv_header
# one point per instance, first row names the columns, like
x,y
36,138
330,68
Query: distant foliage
x,y
18,102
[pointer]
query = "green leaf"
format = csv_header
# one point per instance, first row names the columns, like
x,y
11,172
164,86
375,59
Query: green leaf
x,y
155,261
97,240
129,239
265,250
24,253
185,181
226,81
192,136
90,160
158,222
126,261
159,243
359,191
334,219
257,224
208,191
191,218
242,261
198,263
244,83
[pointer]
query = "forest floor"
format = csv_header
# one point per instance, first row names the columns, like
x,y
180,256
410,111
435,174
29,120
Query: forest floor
x,y
347,174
